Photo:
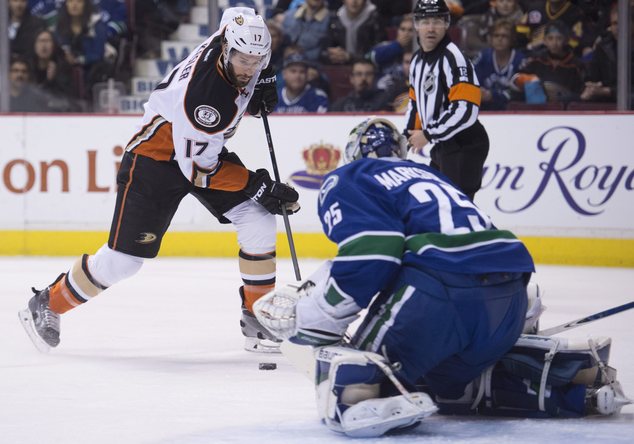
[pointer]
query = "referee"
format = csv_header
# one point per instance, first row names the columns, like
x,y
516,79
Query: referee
x,y
444,101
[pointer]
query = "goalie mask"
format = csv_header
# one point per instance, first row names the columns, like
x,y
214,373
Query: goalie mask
x,y
246,47
374,138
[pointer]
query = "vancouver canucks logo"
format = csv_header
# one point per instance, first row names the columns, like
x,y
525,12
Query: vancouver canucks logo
x,y
207,116
429,84
239,20
328,185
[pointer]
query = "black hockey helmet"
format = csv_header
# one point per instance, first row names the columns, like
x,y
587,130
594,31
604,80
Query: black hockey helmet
x,y
430,8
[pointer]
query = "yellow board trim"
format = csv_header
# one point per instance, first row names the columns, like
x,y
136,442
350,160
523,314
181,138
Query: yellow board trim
x,y
545,250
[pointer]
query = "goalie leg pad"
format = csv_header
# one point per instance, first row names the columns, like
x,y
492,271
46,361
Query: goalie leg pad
x,y
553,377
349,394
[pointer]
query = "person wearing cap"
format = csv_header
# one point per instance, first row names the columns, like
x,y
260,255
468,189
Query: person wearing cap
x,y
297,95
556,66
444,101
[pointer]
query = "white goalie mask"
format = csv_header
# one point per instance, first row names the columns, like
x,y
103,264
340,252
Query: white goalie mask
x,y
375,137
246,33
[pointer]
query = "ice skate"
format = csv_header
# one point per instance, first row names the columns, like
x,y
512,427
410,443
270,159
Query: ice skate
x,y
40,322
257,338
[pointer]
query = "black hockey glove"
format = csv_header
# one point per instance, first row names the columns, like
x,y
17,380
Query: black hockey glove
x,y
271,194
264,98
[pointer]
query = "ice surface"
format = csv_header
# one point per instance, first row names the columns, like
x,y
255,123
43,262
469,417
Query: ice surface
x,y
158,359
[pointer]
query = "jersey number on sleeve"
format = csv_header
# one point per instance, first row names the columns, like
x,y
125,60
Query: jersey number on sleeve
x,y
332,216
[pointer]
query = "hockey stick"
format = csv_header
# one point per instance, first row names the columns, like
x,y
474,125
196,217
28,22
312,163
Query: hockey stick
x,y
276,173
586,320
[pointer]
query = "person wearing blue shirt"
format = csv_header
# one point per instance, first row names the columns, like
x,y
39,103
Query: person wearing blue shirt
x,y
495,66
297,95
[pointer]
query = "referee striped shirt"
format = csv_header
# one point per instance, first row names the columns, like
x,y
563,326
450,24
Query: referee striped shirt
x,y
444,92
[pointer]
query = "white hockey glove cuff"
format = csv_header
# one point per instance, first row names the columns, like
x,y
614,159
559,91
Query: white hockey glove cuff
x,y
317,327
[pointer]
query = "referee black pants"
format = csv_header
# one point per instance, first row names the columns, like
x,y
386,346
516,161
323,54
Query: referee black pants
x,y
462,157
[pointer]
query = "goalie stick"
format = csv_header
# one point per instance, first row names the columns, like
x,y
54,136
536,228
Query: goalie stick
x,y
586,320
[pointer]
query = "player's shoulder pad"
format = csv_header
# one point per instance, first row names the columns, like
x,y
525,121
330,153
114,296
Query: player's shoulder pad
x,y
210,100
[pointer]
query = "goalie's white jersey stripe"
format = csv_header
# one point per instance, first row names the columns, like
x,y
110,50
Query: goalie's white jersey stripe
x,y
394,311
368,257
369,233
469,246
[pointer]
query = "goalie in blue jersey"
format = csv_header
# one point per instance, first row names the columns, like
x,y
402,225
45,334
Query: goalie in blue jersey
x,y
445,292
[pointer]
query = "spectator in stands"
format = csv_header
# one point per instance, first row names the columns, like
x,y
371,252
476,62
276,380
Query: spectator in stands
x,y
538,13
82,36
307,26
354,29
387,56
155,21
316,77
22,27
364,96
115,15
282,6
396,96
51,73
46,10
558,69
600,85
476,27
277,47
24,97
298,96
496,66
391,11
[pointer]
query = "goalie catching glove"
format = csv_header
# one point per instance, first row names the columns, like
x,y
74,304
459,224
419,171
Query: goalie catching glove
x,y
270,194
301,314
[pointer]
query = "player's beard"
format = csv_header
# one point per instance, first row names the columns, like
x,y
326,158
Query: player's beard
x,y
238,81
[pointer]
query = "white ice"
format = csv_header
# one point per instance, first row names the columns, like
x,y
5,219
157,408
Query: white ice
x,y
158,359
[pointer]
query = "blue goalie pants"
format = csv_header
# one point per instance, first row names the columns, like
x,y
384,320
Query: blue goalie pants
x,y
445,328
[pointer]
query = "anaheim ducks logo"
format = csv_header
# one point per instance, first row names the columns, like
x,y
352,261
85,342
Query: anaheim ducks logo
x,y
146,238
239,20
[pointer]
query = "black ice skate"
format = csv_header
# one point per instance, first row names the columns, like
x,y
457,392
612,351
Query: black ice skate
x,y
40,322
257,338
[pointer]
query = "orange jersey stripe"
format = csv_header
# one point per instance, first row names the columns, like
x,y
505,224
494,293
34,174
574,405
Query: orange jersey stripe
x,y
412,93
159,146
465,91
230,177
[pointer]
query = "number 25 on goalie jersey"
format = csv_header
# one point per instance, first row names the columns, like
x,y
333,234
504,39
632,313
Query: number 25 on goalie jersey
x,y
387,213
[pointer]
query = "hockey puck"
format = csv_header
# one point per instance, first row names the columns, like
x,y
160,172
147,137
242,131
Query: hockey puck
x,y
267,365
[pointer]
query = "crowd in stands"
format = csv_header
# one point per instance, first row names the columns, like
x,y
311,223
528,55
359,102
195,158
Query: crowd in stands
x,y
330,55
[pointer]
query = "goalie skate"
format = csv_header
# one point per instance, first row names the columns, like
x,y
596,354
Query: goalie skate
x,y
374,417
40,322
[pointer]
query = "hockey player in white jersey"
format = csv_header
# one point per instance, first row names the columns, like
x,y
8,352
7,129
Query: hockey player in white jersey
x,y
179,149
446,293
